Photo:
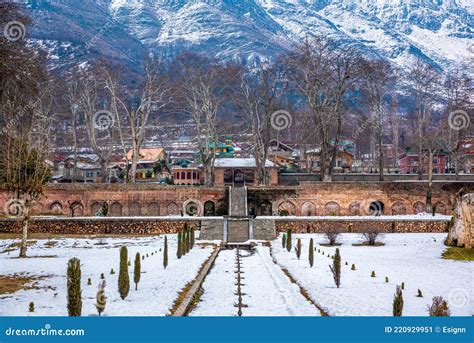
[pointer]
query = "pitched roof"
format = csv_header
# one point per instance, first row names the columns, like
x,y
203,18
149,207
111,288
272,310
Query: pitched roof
x,y
147,154
239,163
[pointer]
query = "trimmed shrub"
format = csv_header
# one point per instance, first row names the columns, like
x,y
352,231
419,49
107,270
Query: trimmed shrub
x,y
31,307
192,238
74,293
179,253
112,271
336,268
311,253
102,276
165,253
398,302
137,270
403,285
419,295
89,281
373,274
353,267
100,299
288,240
283,241
386,279
331,234
298,248
124,278
439,308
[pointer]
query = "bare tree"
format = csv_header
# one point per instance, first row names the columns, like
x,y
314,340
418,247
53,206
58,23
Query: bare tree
x,y
323,75
423,80
203,86
377,81
331,234
259,96
153,96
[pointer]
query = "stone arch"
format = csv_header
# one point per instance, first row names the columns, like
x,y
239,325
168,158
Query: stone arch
x,y
115,209
399,208
209,208
77,209
56,207
287,208
153,209
308,209
332,208
419,207
266,208
192,207
135,209
172,209
354,208
440,207
95,208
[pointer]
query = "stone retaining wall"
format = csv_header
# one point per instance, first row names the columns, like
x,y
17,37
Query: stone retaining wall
x,y
362,226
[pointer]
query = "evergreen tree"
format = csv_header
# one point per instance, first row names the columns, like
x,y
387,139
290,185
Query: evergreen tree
x,y
283,241
192,238
124,278
179,252
288,240
353,267
31,307
165,253
89,281
386,279
298,248
188,241
419,295
101,299
403,285
137,270
373,274
311,253
74,293
398,302
183,243
336,268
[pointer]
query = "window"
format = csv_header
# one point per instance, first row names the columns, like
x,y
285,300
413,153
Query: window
x,y
435,160
89,174
436,171
183,175
188,176
177,176
194,175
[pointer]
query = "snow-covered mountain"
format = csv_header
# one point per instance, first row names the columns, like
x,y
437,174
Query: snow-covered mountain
x,y
251,30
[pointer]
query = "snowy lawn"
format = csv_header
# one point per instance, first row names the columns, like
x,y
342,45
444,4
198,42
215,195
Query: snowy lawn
x,y
157,290
413,258
267,290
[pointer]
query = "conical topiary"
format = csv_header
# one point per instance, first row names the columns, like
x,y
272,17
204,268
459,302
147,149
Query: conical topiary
x,y
137,270
192,238
386,279
31,307
336,268
165,253
353,267
288,240
419,295
372,274
124,278
283,241
311,253
298,248
398,302
179,253
74,293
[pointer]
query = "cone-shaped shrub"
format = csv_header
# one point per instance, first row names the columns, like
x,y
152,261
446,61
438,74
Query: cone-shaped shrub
x,y
298,248
102,276
373,274
403,285
100,299
192,238
137,270
124,278
386,279
188,241
336,268
74,293
179,253
439,308
419,295
112,271
398,302
353,267
165,253
283,241
288,240
89,281
346,263
31,307
311,253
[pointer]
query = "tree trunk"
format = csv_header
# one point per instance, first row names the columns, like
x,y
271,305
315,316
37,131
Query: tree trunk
x,y
133,168
24,235
380,151
429,191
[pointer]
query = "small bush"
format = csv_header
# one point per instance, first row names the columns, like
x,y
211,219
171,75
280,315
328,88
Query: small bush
x,y
386,279
398,302
331,234
311,253
124,278
102,276
298,248
353,267
112,271
31,307
419,295
439,308
346,263
137,270
89,281
179,251
371,236
165,253
74,293
288,240
373,274
283,241
403,285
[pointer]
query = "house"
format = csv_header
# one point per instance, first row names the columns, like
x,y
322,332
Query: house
x,y
186,176
151,165
409,162
466,149
87,169
282,155
241,171
342,164
223,149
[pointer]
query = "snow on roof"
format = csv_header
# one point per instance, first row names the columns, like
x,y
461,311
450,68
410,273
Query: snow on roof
x,y
239,163
147,154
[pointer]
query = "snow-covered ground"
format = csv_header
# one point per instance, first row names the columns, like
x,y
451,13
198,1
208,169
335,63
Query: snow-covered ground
x,y
413,258
267,290
157,290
